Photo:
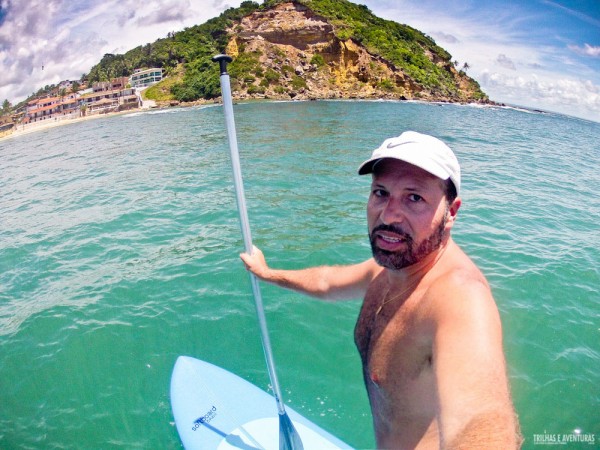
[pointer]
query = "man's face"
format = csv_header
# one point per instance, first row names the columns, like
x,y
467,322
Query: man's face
x,y
407,212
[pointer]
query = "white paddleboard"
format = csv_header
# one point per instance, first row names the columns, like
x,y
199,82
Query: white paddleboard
x,y
215,409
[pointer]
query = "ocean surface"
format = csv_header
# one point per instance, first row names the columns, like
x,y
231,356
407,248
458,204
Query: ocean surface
x,y
119,244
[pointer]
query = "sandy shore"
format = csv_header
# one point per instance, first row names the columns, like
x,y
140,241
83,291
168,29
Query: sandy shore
x,y
46,124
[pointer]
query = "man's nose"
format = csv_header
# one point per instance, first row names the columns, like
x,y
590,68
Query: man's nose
x,y
392,213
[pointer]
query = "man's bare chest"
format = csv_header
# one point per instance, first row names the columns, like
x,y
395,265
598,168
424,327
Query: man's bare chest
x,y
394,342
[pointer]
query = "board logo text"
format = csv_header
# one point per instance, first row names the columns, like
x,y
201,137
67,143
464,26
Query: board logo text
x,y
206,418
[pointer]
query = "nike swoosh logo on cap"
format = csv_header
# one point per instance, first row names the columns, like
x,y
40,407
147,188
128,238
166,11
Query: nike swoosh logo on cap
x,y
397,144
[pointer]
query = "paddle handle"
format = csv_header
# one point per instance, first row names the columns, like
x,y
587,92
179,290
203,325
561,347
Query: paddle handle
x,y
244,222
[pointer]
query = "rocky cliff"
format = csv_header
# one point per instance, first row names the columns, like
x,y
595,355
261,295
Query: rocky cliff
x,y
299,49
289,51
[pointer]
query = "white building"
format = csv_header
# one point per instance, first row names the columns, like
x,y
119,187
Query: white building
x,y
144,78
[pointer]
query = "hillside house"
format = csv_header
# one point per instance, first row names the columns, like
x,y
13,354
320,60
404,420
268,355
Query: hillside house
x,y
115,84
101,102
51,108
145,78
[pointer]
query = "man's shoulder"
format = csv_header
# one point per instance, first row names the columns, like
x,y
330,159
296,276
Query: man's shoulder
x,y
461,290
460,278
458,272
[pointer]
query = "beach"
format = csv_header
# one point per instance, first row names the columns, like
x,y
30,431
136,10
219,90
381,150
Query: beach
x,y
149,105
21,129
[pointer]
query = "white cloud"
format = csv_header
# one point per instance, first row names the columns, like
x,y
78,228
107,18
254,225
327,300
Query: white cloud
x,y
586,50
67,38
39,48
505,62
552,94
440,36
508,53
171,11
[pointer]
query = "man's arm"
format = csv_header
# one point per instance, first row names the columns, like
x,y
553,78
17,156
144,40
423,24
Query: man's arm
x,y
474,406
325,282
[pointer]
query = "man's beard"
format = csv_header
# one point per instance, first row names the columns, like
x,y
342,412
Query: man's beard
x,y
401,259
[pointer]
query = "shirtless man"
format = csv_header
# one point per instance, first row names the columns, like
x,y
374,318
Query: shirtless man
x,y
429,333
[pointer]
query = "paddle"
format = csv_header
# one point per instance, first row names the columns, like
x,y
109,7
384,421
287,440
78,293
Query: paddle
x,y
288,436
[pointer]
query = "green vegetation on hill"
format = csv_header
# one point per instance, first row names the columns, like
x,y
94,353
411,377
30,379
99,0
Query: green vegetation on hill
x,y
402,45
191,50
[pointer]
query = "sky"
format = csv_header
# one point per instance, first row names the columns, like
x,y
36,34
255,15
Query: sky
x,y
541,54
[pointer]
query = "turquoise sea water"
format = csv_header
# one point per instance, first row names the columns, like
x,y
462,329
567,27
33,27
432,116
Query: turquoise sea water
x,y
119,244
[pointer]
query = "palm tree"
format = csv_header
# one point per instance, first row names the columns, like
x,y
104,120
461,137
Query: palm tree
x,y
6,107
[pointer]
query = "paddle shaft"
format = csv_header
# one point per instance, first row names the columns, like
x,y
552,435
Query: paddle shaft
x,y
245,224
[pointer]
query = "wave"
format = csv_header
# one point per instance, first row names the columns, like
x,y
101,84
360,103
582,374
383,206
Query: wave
x,y
170,110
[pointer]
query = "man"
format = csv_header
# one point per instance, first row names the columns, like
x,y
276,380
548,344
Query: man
x,y
429,332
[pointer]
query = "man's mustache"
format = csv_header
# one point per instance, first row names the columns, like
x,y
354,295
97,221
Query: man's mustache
x,y
392,229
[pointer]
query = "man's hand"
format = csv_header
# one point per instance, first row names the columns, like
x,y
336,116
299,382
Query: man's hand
x,y
256,263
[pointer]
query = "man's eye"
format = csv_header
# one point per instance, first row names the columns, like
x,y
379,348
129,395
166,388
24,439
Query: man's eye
x,y
379,193
415,198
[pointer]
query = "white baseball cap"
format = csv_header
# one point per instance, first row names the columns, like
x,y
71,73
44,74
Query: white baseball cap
x,y
421,150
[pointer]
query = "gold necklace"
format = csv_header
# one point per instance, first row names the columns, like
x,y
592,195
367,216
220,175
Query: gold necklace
x,y
395,297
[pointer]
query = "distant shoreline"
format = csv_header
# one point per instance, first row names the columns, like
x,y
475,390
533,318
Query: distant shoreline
x,y
20,129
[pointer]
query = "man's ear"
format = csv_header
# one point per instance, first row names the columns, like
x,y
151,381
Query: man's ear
x,y
453,211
